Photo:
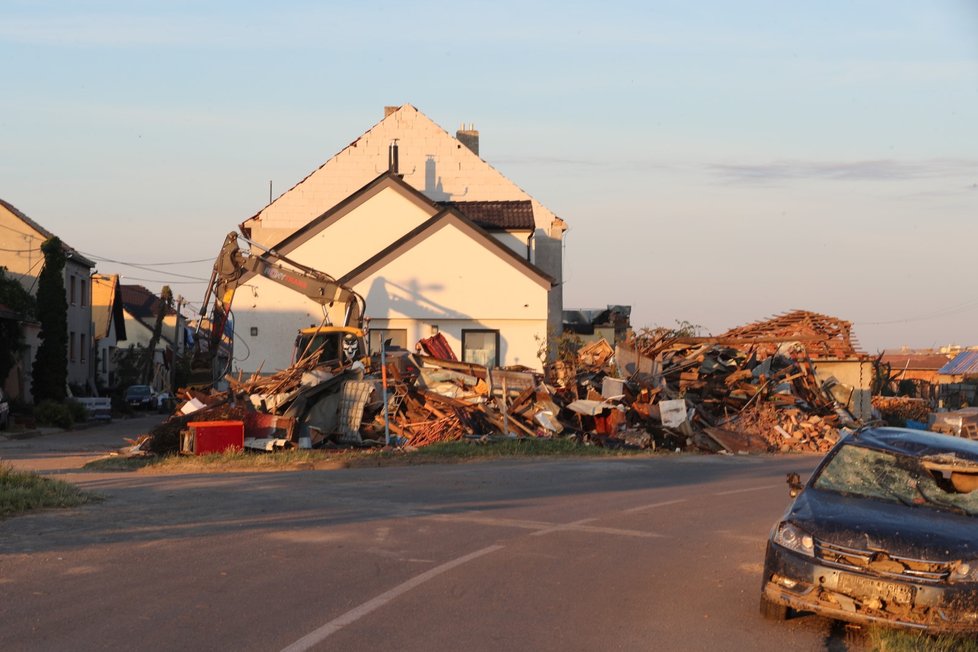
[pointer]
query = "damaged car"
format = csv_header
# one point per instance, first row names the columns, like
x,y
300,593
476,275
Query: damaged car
x,y
885,531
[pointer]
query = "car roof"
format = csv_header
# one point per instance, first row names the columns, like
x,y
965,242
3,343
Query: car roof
x,y
916,443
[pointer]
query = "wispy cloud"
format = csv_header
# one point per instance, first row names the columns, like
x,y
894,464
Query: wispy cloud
x,y
870,170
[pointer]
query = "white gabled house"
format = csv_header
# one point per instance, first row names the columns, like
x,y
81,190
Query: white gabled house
x,y
433,237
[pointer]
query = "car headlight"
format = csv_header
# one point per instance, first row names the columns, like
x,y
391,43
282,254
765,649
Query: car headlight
x,y
964,571
794,538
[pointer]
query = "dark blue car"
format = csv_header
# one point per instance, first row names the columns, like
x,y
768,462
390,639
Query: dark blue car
x,y
885,531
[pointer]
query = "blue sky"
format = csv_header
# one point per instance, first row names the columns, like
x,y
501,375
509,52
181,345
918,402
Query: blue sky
x,y
717,162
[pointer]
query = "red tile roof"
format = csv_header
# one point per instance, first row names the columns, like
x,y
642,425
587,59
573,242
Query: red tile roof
x,y
823,336
918,361
494,215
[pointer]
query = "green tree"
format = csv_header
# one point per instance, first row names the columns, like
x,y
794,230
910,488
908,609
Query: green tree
x,y
12,342
50,375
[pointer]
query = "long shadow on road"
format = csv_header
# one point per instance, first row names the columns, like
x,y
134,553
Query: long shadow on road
x,y
138,507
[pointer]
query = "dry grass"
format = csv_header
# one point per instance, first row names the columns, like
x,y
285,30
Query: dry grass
x,y
22,491
881,639
444,453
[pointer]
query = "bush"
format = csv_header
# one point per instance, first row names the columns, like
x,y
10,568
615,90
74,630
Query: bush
x,y
77,410
52,413
119,404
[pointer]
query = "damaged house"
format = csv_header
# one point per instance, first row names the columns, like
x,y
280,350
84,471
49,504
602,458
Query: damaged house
x,y
140,309
827,341
434,238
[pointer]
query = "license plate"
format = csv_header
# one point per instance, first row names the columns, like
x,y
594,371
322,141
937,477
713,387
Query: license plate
x,y
864,587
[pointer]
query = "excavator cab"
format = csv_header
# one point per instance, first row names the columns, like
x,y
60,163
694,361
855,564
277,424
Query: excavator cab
x,y
332,344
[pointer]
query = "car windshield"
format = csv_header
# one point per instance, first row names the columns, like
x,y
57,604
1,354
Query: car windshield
x,y
870,473
138,390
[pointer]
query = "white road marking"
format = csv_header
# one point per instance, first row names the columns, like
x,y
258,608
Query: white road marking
x,y
319,635
580,526
743,491
642,508
560,528
489,520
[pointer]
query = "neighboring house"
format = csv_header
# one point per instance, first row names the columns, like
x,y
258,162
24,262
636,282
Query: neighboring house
x,y
110,325
21,255
958,386
611,324
431,235
922,368
140,308
828,342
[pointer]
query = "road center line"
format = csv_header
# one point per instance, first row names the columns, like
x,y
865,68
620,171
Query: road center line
x,y
743,491
319,635
642,508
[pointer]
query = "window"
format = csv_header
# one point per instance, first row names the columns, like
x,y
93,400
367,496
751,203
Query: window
x,y
82,346
82,299
397,336
71,340
71,290
481,347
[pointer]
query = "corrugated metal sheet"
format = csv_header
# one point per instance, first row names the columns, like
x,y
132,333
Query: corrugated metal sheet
x,y
963,364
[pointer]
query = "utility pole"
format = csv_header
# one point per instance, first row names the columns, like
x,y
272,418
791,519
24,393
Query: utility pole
x,y
176,346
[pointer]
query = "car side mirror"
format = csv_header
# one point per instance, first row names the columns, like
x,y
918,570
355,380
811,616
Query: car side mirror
x,y
794,484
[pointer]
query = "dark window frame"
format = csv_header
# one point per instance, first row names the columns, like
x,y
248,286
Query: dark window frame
x,y
473,331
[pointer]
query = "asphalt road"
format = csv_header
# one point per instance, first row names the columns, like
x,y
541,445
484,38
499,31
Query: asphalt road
x,y
594,554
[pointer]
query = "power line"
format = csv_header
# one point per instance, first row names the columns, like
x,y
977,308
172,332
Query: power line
x,y
122,262
164,281
10,228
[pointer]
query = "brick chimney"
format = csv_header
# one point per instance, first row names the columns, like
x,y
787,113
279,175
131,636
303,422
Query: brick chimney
x,y
469,137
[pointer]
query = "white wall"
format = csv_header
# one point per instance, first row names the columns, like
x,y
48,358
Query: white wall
x,y
362,232
431,160
448,277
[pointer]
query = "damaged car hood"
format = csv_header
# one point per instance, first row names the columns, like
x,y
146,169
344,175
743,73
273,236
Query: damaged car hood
x,y
918,531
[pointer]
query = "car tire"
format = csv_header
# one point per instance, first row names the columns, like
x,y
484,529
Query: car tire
x,y
773,610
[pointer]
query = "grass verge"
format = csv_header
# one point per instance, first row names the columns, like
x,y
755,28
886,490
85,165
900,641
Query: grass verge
x,y
22,491
881,639
444,453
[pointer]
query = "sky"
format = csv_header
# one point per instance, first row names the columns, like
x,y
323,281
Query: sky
x,y
717,163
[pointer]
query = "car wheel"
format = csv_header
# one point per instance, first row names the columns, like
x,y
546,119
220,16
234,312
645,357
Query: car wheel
x,y
773,610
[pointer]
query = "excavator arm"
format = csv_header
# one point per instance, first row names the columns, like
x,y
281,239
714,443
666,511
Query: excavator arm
x,y
234,266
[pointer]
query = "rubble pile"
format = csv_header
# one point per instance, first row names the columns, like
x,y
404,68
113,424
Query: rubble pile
x,y
898,409
696,392
652,392
429,400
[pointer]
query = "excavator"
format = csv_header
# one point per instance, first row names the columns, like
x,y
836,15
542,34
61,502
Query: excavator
x,y
331,343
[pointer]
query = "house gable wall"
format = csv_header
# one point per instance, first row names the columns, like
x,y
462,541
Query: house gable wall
x,y
450,274
431,161
346,240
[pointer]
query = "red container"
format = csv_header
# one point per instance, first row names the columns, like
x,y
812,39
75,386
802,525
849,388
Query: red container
x,y
215,437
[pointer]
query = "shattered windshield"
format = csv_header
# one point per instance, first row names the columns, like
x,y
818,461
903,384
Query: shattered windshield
x,y
869,473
